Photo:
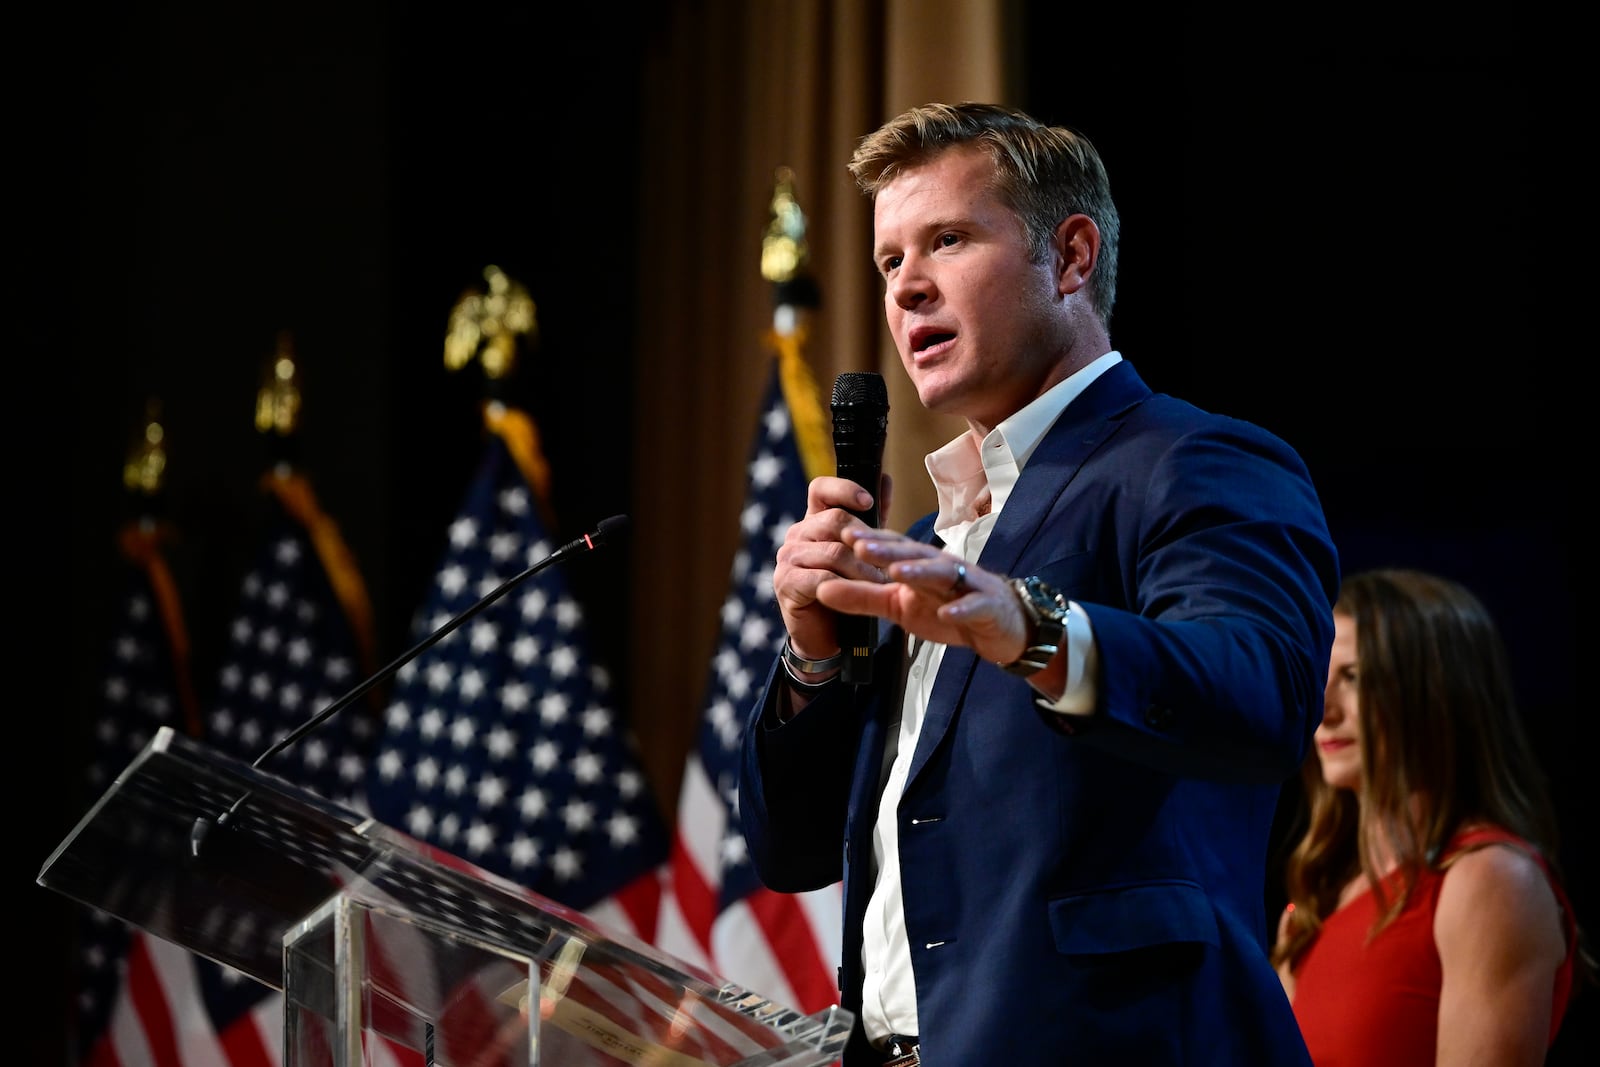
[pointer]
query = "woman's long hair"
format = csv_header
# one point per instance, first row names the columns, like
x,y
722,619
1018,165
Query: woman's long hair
x,y
1443,747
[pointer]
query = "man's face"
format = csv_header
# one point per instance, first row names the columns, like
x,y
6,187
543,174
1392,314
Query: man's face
x,y
977,324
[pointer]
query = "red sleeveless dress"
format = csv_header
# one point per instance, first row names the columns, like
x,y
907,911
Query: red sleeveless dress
x,y
1376,1004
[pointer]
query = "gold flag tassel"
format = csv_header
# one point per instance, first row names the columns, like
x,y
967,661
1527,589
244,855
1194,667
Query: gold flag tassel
x,y
142,541
521,437
800,392
278,416
785,262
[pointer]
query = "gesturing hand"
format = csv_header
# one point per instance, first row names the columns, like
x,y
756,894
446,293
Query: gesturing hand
x,y
927,591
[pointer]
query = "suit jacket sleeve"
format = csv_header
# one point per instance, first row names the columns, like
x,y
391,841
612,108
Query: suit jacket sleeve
x,y
795,785
1213,620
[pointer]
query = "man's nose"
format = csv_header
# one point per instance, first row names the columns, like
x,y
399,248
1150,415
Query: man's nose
x,y
910,286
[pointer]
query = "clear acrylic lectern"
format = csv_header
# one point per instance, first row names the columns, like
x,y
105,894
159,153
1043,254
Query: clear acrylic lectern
x,y
374,937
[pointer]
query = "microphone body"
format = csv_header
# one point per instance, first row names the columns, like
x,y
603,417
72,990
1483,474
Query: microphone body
x,y
860,426
606,531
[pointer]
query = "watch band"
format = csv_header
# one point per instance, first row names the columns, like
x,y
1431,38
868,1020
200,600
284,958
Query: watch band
x,y
1034,659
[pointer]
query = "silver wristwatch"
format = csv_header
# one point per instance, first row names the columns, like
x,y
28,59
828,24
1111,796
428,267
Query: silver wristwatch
x,y
1047,612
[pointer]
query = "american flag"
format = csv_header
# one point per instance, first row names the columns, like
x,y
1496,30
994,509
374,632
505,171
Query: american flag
x,y
501,743
301,637
715,912
146,686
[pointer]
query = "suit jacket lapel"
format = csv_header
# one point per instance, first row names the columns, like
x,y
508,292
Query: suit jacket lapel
x,y
1083,427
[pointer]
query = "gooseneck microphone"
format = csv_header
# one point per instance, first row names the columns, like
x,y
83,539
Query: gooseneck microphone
x,y
860,425
608,530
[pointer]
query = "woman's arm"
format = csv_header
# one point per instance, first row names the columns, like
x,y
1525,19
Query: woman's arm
x,y
1285,975
1498,930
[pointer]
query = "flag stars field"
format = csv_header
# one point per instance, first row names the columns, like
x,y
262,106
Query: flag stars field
x,y
534,604
596,721
533,805
470,685
483,637
553,708
426,773
622,830
480,838
491,792
531,728
756,632
725,721
439,677
586,768
514,698
764,471
500,744
431,725
544,756
451,581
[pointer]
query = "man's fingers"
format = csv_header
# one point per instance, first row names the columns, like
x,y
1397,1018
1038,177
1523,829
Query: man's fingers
x,y
858,598
827,492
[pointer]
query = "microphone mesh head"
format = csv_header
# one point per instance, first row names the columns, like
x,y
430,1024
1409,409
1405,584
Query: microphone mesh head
x,y
610,529
860,387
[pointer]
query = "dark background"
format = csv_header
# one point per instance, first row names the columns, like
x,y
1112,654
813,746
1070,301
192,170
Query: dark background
x,y
1331,228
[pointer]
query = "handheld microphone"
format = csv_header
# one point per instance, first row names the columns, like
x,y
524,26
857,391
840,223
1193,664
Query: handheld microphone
x,y
606,531
860,425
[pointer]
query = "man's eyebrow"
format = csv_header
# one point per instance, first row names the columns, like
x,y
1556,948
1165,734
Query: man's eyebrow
x,y
931,226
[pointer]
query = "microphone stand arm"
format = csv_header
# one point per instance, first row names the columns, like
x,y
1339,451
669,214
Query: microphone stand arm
x,y
588,541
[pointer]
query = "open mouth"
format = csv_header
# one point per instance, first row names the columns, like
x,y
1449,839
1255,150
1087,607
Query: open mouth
x,y
922,341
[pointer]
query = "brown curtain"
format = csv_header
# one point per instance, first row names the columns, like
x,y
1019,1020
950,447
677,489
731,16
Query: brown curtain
x,y
732,91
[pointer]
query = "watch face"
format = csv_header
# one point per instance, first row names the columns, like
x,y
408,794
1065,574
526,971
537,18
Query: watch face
x,y
1043,597
1047,615
1048,607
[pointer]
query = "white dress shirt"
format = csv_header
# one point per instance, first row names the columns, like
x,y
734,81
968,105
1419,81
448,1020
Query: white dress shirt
x,y
972,481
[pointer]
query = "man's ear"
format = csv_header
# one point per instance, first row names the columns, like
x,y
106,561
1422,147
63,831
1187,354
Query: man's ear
x,y
1078,249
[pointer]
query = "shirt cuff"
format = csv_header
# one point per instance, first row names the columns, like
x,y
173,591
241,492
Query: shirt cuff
x,y
1083,666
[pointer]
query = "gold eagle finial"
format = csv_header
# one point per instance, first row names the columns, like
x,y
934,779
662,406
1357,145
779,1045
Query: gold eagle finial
x,y
145,469
486,324
278,399
784,254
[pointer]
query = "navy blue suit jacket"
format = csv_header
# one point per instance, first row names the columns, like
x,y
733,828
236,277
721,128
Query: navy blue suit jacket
x,y
1088,890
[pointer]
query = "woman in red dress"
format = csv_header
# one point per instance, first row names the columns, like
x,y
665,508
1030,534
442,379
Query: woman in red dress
x,y
1427,923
